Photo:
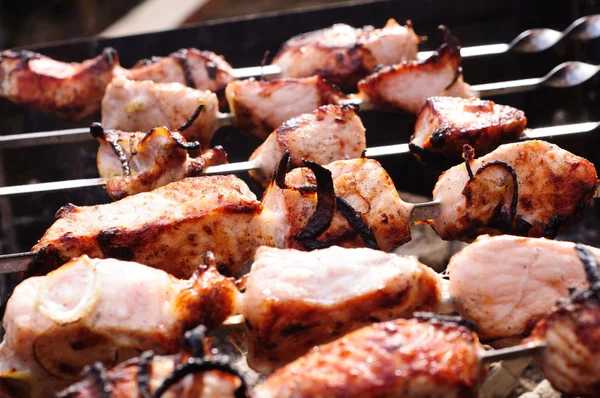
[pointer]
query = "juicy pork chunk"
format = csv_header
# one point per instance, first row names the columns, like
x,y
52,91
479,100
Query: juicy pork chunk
x,y
530,188
446,124
169,228
72,90
260,106
407,86
103,310
402,358
571,360
143,105
343,54
140,162
331,132
203,70
505,284
295,300
363,208
128,381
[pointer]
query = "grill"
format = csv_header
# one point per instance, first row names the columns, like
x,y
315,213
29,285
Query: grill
x,y
244,41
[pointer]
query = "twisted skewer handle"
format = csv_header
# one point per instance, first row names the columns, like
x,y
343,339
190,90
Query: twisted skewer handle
x,y
535,40
567,74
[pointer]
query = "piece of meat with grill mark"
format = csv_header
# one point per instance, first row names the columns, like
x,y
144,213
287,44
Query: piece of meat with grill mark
x,y
343,55
329,133
262,106
71,90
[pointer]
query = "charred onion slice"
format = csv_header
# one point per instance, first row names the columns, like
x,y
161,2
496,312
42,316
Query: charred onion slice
x,y
199,365
192,119
592,272
321,219
357,223
97,131
487,196
281,171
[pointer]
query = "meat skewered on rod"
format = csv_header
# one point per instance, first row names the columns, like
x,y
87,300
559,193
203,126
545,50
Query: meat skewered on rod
x,y
531,188
430,355
285,307
575,73
443,127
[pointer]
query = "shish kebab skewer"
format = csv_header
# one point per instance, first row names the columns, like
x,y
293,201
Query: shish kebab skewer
x,y
381,360
531,188
75,90
283,285
443,127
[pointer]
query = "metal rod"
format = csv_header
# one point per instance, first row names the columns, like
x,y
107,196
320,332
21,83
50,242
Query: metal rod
x,y
240,167
513,352
15,262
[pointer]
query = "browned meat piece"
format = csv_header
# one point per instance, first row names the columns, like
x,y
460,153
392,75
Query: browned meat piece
x,y
504,284
329,133
407,86
571,360
107,311
140,162
260,106
343,54
367,211
169,228
143,105
72,90
295,300
203,70
530,188
446,124
402,358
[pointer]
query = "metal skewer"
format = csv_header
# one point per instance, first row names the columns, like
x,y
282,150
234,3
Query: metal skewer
x,y
567,74
513,352
241,167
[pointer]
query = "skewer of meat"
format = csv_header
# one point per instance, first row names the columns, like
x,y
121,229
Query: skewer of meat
x,y
444,126
530,188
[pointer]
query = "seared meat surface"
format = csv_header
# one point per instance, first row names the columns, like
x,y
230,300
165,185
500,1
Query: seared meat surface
x,y
331,132
402,358
72,90
125,381
571,359
446,124
408,85
530,188
295,300
143,105
169,228
152,160
505,284
103,310
262,106
203,70
343,54
362,184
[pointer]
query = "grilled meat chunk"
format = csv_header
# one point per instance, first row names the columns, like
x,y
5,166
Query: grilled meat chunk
x,y
169,228
515,283
407,86
530,188
343,54
571,360
71,90
402,358
446,124
295,300
203,70
260,106
364,194
142,105
151,159
331,132
103,310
